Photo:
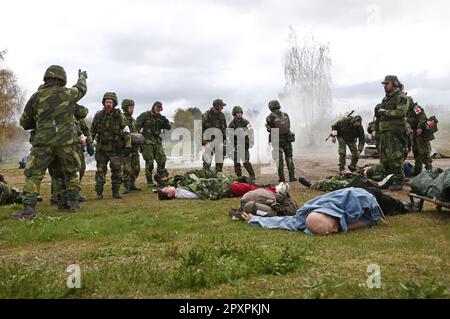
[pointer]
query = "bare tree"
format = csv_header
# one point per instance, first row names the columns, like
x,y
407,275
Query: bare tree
x,y
307,72
11,104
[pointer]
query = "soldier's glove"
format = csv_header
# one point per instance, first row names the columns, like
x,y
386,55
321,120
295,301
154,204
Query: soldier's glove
x,y
126,152
82,74
165,122
90,150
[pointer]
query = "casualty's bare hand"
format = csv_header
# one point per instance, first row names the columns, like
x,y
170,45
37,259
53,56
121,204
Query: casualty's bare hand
x,y
247,216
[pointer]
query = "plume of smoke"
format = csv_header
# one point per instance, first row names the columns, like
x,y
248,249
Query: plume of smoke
x,y
307,93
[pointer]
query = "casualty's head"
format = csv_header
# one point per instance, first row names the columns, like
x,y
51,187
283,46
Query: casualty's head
x,y
166,193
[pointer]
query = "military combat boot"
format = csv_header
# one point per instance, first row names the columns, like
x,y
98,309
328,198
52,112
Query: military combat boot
x,y
28,212
133,187
150,182
54,199
127,188
82,199
73,206
99,196
116,195
62,203
116,191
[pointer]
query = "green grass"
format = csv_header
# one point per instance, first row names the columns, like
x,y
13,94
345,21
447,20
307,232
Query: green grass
x,y
139,247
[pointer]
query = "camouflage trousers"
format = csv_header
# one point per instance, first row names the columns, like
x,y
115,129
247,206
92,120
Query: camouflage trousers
x,y
83,163
131,167
39,160
150,153
286,149
422,154
245,158
342,151
115,164
216,150
391,150
9,195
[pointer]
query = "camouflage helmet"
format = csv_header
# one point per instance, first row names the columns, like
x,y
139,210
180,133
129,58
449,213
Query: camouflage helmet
x,y
392,78
126,103
218,103
56,72
274,105
110,96
237,109
157,103
357,119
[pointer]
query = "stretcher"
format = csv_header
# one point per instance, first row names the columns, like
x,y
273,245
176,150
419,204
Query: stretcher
x,y
439,204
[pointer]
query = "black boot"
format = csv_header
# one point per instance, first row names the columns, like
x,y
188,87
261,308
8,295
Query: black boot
x,y
133,187
54,199
116,191
28,212
150,182
82,199
99,196
73,206
127,188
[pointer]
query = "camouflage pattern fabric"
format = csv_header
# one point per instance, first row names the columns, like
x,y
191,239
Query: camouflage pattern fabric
x,y
131,163
212,119
285,147
109,130
83,129
392,127
151,124
207,184
237,159
332,183
421,149
9,195
50,112
347,134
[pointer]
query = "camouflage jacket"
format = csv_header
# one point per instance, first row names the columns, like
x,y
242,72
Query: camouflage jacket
x,y
348,132
396,105
270,124
9,195
150,124
131,122
206,184
416,117
248,131
211,119
111,132
83,129
51,113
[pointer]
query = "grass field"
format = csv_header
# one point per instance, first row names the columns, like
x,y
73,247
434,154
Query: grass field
x,y
139,247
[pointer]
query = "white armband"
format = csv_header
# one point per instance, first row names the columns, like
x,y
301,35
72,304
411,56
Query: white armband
x,y
334,133
126,129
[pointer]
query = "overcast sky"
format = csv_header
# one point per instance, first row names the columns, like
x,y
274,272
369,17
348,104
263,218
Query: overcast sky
x,y
187,53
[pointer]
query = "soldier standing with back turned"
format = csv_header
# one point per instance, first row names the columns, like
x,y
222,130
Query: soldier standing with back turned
x,y
214,145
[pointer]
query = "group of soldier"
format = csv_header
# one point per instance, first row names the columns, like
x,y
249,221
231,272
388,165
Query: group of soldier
x,y
399,125
60,136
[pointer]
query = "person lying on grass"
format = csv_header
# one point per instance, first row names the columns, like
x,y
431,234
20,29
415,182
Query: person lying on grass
x,y
10,195
339,211
203,184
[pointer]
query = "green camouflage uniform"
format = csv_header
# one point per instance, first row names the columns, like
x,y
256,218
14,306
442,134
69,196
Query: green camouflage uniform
x,y
111,132
347,134
207,184
9,195
237,157
391,133
51,113
421,148
83,129
284,144
151,124
216,120
131,163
